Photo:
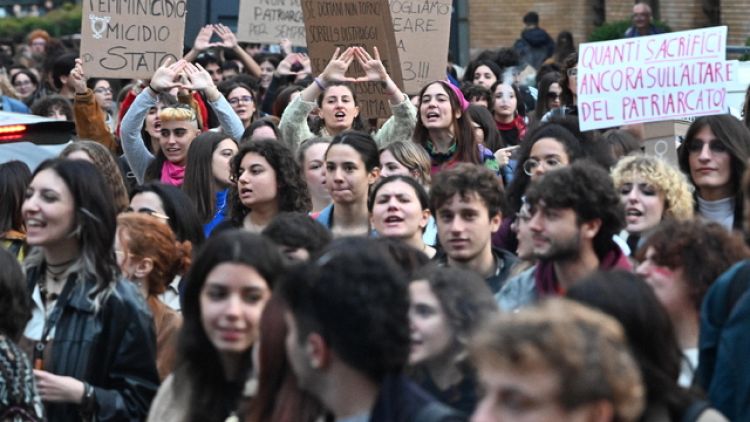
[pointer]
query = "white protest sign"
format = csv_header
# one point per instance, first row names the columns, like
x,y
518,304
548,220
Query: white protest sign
x,y
131,39
655,78
268,21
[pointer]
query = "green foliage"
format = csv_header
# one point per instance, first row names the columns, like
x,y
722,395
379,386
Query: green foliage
x,y
65,20
615,30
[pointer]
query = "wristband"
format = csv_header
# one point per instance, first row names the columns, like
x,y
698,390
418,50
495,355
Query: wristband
x,y
88,401
152,89
320,84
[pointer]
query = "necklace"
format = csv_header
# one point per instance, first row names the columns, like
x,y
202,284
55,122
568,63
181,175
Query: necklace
x,y
57,271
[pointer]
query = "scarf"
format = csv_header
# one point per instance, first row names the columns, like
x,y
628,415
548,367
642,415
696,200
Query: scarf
x,y
517,125
172,174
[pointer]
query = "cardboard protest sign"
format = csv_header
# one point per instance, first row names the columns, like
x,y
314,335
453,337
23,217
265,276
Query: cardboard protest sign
x,y
422,36
267,21
661,139
344,23
648,79
131,39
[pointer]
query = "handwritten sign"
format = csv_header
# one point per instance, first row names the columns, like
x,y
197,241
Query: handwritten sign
x,y
267,21
344,23
648,79
131,38
422,34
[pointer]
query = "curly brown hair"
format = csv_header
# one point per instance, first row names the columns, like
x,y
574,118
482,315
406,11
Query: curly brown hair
x,y
704,250
291,186
464,179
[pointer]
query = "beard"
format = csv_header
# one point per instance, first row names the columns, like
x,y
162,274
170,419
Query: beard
x,y
562,249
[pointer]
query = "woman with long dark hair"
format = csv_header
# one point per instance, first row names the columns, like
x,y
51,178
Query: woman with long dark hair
x,y
14,178
444,129
714,157
90,335
226,291
208,177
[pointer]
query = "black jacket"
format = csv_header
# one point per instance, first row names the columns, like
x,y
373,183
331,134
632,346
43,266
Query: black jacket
x,y
400,400
113,349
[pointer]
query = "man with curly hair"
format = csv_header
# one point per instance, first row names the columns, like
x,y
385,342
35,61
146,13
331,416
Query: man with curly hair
x,y
468,202
348,336
574,214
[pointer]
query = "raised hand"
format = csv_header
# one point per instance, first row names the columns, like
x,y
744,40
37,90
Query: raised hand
x,y
285,66
167,76
286,46
228,39
336,68
304,59
78,77
197,77
203,39
373,67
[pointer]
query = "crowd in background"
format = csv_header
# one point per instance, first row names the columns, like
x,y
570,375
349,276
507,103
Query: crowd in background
x,y
232,239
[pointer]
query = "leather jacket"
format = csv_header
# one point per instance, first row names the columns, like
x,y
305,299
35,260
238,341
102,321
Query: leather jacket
x,y
113,349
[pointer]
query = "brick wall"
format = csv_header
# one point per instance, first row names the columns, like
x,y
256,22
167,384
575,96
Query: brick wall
x,y
618,10
736,15
498,23
683,15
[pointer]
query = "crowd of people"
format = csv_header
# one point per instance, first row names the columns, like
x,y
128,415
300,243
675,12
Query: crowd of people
x,y
233,240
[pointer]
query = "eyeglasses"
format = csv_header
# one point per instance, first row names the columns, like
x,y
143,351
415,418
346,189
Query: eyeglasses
x,y
246,99
530,165
150,212
103,90
573,71
696,145
553,95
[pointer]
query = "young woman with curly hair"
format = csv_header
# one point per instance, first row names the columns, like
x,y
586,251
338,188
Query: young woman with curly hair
x,y
104,161
651,190
268,180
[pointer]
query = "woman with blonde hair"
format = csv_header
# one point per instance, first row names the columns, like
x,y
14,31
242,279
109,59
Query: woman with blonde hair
x,y
150,256
651,190
406,158
103,160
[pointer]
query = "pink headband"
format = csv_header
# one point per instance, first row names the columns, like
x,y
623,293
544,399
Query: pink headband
x,y
461,99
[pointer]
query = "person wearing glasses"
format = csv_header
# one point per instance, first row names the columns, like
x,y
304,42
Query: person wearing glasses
x,y
179,124
714,156
569,95
242,98
26,84
550,93
642,24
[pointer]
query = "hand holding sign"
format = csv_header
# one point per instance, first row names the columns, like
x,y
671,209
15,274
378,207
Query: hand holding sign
x,y
167,76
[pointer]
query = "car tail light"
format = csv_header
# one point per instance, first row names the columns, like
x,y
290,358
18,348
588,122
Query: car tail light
x,y
12,132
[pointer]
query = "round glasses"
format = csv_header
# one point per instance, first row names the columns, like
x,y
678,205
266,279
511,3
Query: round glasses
x,y
531,164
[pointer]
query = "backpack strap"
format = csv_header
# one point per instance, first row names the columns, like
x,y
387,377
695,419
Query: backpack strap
x,y
694,411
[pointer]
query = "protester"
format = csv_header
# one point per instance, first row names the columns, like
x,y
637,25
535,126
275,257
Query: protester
x,y
149,255
714,156
53,106
103,160
268,181
208,177
569,95
622,143
468,205
26,84
681,260
478,95
485,129
339,110
509,113
405,158
179,125
311,156
226,290
352,289
549,95
351,169
642,25
298,237
445,131
279,396
19,397
14,179
483,73
72,280
651,190
575,212
625,297
243,100
263,128
447,305
399,207
93,120
559,361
